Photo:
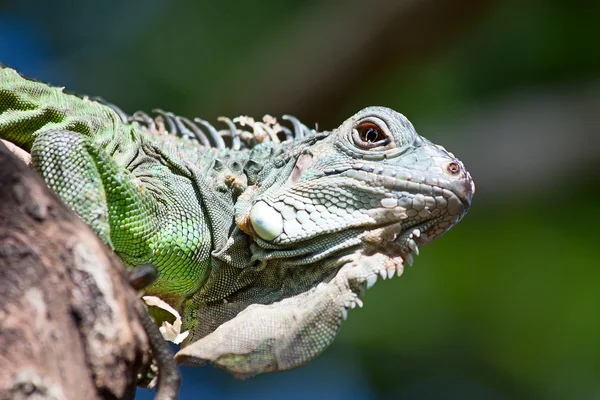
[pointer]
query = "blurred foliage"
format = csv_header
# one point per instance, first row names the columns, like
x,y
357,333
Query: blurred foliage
x,y
513,293
516,44
504,306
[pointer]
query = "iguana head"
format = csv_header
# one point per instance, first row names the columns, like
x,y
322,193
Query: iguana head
x,y
326,217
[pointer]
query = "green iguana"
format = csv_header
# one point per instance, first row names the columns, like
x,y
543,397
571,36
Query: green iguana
x,y
263,236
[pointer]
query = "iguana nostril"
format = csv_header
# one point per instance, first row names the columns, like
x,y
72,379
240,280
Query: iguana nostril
x,y
464,189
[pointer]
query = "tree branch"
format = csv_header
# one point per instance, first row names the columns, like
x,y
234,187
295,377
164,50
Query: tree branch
x,y
69,326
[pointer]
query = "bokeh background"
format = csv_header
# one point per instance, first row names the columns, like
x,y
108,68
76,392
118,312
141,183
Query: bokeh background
x,y
506,305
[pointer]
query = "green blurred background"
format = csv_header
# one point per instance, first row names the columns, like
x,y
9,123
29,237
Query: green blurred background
x,y
506,305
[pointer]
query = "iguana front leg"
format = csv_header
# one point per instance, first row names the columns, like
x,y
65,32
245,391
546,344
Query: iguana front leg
x,y
133,202
74,169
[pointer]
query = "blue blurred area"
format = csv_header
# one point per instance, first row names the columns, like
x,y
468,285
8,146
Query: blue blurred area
x,y
339,377
22,45
506,305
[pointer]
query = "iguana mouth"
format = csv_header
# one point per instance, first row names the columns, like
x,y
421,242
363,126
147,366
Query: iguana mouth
x,y
400,245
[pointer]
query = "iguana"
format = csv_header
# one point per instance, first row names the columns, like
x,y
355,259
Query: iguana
x,y
264,236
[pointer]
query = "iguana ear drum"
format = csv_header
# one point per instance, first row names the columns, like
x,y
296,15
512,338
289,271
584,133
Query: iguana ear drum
x,y
304,162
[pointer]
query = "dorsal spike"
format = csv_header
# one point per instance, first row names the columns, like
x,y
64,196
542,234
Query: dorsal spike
x,y
196,132
235,135
171,127
169,123
300,130
212,131
265,129
182,130
143,118
116,109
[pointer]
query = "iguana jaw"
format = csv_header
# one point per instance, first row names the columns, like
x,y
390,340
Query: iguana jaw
x,y
290,330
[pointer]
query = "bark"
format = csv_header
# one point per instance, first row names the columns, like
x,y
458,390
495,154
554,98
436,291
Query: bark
x,y
68,322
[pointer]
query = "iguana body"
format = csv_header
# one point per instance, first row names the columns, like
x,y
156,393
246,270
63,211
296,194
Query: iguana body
x,y
262,245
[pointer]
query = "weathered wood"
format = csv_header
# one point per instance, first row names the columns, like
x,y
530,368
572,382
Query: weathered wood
x,y
68,322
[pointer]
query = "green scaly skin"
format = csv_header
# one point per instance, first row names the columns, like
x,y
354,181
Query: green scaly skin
x,y
263,249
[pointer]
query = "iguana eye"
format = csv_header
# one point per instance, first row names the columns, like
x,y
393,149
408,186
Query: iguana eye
x,y
368,135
